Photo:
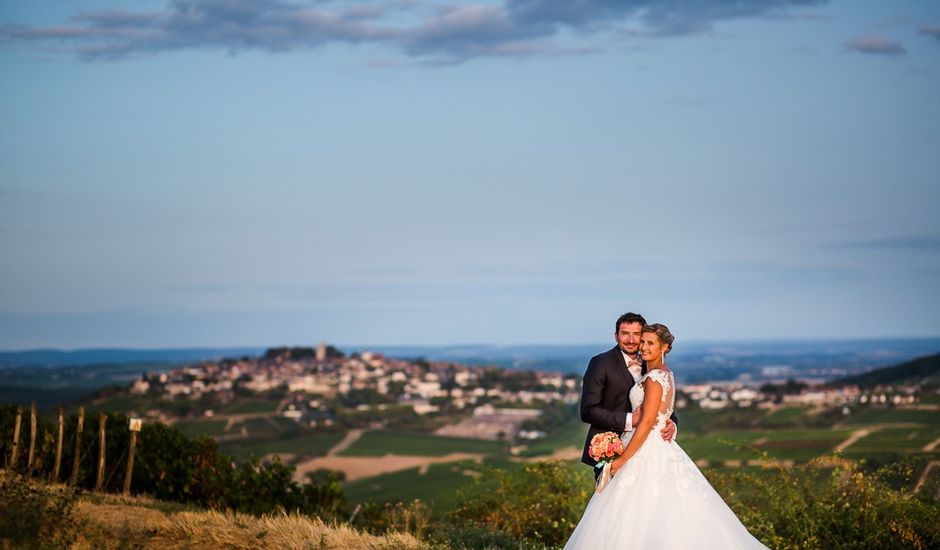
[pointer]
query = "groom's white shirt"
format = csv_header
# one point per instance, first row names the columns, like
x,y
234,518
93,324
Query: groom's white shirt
x,y
635,371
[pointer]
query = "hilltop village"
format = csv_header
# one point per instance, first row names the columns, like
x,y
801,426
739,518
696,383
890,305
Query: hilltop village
x,y
321,386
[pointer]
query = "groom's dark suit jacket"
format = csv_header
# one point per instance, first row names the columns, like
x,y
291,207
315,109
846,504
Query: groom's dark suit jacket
x,y
605,396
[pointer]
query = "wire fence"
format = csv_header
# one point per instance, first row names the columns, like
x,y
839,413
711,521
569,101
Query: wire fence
x,y
31,454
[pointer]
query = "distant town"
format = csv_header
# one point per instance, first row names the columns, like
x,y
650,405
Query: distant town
x,y
313,386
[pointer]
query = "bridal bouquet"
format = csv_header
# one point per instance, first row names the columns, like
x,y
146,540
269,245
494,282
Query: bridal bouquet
x,y
605,447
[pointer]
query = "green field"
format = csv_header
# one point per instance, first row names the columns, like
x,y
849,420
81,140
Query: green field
x,y
783,418
892,416
437,487
900,440
780,444
286,424
121,403
835,435
250,406
194,428
267,427
699,437
126,403
719,446
802,445
385,442
698,421
306,445
570,434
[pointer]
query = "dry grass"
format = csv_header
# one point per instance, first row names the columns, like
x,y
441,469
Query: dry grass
x,y
137,523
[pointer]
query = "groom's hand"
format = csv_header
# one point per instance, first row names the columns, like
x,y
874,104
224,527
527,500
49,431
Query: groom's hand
x,y
636,418
669,431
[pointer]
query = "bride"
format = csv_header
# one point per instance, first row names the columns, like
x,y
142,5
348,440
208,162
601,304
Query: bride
x,y
657,497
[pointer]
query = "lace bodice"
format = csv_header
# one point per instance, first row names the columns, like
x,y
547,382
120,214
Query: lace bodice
x,y
666,380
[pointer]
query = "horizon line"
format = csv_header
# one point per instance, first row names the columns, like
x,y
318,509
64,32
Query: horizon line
x,y
756,340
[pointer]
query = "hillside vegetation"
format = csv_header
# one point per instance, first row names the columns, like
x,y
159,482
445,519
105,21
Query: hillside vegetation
x,y
827,503
861,475
172,467
924,371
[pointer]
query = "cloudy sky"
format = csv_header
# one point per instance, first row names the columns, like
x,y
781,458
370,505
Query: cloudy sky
x,y
262,172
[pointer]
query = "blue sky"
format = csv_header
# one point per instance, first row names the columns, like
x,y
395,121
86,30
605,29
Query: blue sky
x,y
207,173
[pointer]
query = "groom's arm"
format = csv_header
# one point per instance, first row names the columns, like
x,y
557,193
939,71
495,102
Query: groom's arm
x,y
592,394
672,428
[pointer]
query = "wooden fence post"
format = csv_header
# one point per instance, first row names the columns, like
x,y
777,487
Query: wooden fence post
x,y
16,437
78,445
134,427
99,481
58,449
32,436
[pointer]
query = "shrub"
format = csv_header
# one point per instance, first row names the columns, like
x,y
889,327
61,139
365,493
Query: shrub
x,y
33,515
830,503
170,466
409,518
454,537
538,504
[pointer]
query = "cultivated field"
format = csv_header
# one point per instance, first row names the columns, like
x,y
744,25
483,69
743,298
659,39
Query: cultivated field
x,y
379,443
382,465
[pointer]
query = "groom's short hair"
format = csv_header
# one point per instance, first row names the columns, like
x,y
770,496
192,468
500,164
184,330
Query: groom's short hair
x,y
629,318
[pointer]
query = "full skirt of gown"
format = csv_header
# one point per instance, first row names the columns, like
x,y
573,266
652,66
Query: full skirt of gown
x,y
661,500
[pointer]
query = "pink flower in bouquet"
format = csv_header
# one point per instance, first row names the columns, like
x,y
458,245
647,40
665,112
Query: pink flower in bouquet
x,y
605,446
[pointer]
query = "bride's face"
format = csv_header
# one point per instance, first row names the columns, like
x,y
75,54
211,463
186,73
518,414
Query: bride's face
x,y
650,346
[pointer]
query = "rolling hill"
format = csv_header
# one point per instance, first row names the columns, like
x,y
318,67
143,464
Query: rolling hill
x,y
923,370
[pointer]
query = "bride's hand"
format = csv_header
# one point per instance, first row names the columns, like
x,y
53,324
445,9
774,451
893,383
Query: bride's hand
x,y
615,465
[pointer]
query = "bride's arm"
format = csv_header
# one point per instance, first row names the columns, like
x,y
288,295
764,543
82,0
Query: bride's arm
x,y
652,396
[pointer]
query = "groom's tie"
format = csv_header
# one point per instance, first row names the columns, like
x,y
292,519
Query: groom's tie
x,y
635,368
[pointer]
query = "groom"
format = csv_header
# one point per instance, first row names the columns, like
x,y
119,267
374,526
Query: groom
x,y
605,391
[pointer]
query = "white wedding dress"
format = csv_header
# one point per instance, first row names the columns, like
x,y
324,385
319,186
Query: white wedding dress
x,y
659,499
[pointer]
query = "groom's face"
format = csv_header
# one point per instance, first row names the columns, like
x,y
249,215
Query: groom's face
x,y
628,337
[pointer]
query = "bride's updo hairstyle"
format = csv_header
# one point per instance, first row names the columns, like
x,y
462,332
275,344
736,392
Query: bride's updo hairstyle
x,y
662,332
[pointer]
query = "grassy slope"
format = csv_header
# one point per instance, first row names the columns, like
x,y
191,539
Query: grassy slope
x,y
116,522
